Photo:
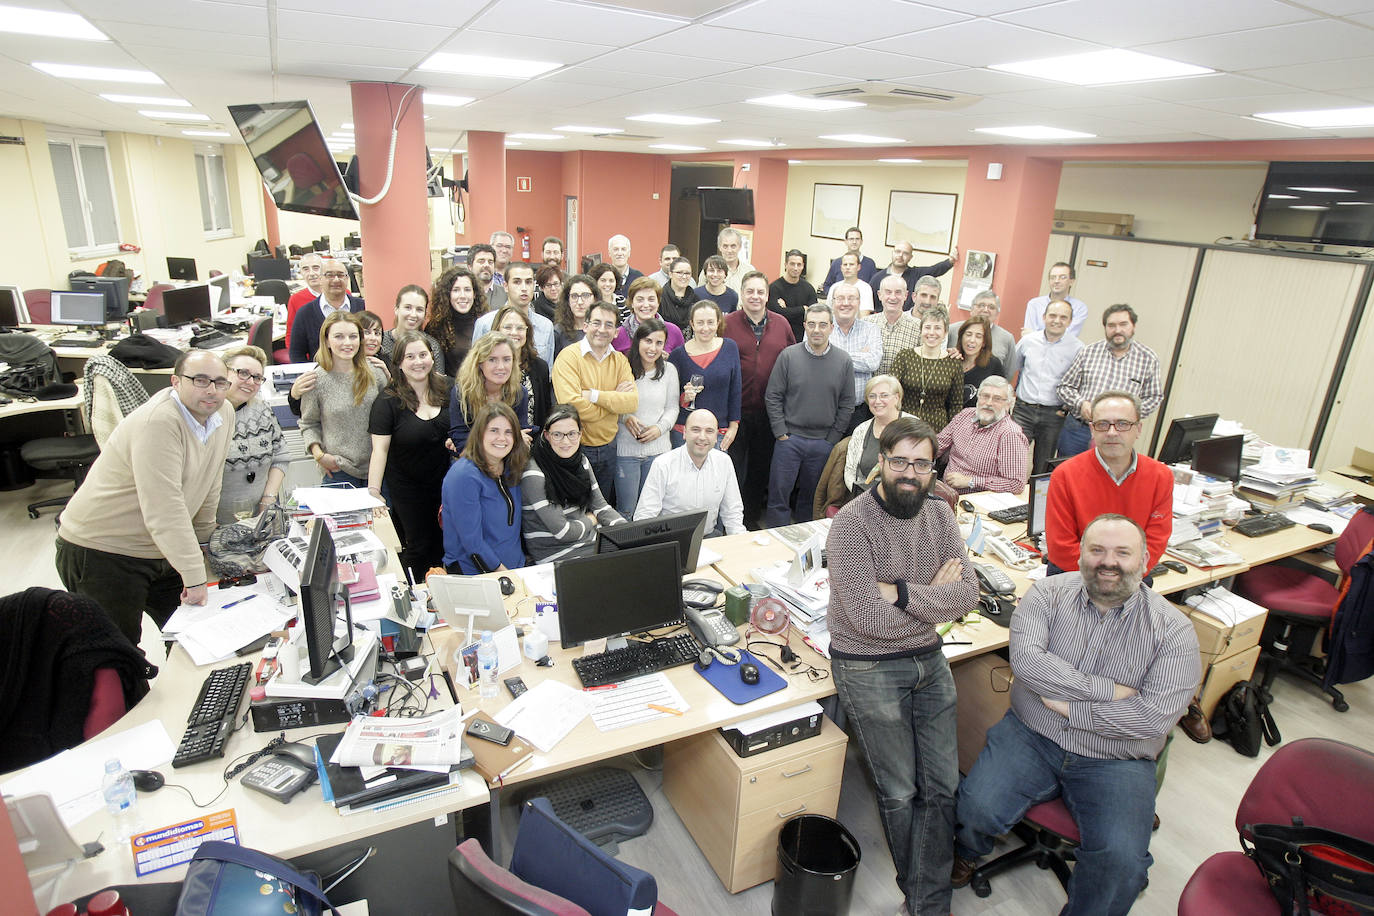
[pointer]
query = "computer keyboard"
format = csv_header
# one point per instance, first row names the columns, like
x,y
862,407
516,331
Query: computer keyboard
x,y
636,659
212,717
1260,525
211,339
1012,514
77,342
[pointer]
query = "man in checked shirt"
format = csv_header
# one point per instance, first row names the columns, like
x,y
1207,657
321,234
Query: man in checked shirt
x,y
1104,668
1116,363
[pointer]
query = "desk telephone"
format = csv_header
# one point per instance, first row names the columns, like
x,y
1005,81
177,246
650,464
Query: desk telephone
x,y
1009,553
993,580
711,628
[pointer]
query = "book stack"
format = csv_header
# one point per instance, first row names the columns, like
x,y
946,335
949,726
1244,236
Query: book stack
x,y
1281,478
353,789
1326,497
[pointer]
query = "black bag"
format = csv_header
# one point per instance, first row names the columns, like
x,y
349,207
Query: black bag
x,y
1243,718
228,880
139,351
1312,871
31,366
235,550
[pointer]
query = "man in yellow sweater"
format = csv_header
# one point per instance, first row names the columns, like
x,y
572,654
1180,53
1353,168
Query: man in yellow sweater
x,y
130,537
595,378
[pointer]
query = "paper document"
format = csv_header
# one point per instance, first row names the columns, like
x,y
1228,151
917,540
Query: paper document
x,y
706,556
632,702
545,713
989,501
220,635
539,580
332,500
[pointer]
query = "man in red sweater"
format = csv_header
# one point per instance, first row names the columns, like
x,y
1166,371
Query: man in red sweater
x,y
1109,477
311,271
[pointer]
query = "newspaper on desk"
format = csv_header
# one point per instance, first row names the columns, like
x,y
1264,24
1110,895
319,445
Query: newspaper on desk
x,y
429,742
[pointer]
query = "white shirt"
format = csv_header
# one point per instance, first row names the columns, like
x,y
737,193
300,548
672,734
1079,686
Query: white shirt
x,y
203,431
865,296
676,484
543,332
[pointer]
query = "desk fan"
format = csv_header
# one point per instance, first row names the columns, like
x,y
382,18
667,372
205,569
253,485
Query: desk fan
x,y
769,616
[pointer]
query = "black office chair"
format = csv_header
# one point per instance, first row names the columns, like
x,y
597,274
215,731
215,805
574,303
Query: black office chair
x,y
59,457
277,289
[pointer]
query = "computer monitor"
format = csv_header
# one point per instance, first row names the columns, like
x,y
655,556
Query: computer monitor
x,y
611,595
13,311
219,297
182,269
321,596
685,529
1039,490
265,268
114,289
353,242
321,244
78,308
186,305
1183,432
1219,457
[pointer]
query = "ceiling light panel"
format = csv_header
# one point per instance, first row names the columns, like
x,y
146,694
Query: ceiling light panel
x,y
529,136
104,74
1034,132
586,129
678,147
145,100
861,138
1327,117
743,141
1100,68
446,101
25,21
206,133
679,120
480,65
174,115
802,103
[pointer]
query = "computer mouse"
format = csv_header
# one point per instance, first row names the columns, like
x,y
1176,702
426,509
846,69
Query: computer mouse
x,y
968,506
507,586
749,673
147,780
1159,570
1175,565
302,752
1320,526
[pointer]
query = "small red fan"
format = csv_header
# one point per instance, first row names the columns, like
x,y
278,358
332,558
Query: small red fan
x,y
769,616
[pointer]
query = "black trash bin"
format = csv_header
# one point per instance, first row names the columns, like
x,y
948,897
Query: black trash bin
x,y
817,859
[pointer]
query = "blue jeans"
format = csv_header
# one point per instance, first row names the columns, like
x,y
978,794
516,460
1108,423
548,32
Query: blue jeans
x,y
630,474
340,477
1075,438
797,462
602,460
1112,801
902,713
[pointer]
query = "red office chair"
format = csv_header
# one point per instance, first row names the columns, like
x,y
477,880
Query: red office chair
x,y
1301,605
1050,835
1326,783
154,301
39,303
484,888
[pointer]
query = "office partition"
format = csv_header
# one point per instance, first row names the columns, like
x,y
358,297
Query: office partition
x,y
1348,425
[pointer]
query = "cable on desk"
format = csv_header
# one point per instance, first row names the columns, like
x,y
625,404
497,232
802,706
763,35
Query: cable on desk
x,y
791,668
351,867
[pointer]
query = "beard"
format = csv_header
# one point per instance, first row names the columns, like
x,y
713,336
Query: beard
x,y
904,501
1109,591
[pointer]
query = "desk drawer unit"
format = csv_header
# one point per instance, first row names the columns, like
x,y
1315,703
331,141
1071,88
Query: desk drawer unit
x,y
734,806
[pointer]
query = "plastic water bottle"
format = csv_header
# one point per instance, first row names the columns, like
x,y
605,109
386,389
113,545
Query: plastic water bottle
x,y
486,666
121,799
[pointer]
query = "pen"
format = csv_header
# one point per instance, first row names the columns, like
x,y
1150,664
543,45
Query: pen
x,y
959,642
602,687
501,777
238,601
669,709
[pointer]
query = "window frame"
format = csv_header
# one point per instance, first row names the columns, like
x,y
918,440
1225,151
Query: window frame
x,y
75,140
202,152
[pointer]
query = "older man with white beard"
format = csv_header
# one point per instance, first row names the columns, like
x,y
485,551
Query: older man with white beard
x,y
983,446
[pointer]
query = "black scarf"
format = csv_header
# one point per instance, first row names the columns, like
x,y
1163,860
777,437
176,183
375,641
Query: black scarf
x,y
565,480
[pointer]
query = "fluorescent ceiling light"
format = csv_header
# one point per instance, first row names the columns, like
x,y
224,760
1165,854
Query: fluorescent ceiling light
x,y
526,136
786,100
680,120
514,143
1322,190
47,22
678,147
1354,203
1034,132
744,141
206,133
347,125
479,65
107,74
1307,207
1099,68
861,138
1326,117
583,129
1283,197
903,161
794,162
446,101
145,100
174,115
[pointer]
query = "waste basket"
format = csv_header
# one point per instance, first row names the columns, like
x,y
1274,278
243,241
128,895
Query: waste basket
x,y
817,859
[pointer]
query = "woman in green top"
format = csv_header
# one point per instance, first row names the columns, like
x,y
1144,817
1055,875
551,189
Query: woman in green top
x,y
932,382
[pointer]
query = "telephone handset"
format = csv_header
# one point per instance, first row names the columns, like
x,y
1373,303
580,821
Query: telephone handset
x,y
711,627
702,593
993,580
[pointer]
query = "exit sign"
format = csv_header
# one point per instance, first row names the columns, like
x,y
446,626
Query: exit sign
x,y
524,184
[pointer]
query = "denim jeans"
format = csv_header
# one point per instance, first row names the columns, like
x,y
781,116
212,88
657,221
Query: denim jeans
x,y
1112,802
902,713
1075,438
797,461
602,460
1042,424
341,477
630,474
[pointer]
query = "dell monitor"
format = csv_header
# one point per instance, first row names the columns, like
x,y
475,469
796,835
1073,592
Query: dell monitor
x,y
321,596
265,268
182,269
114,289
612,595
78,308
186,305
1039,491
1183,432
13,311
685,529
219,293
1219,457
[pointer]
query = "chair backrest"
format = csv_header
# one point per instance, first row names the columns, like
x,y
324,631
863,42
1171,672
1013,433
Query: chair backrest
x,y
556,857
1357,533
260,335
483,888
113,392
39,302
154,301
1327,783
277,289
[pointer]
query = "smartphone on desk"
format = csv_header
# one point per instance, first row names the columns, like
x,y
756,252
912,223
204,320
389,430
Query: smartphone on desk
x,y
711,627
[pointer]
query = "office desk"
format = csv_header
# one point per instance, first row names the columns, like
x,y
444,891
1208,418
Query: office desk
x,y
19,408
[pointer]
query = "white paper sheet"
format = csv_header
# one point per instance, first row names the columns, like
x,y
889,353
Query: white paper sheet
x,y
629,702
221,635
539,580
545,713
331,500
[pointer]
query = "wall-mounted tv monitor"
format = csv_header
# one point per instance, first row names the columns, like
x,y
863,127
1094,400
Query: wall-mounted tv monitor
x,y
1325,203
187,305
289,150
733,205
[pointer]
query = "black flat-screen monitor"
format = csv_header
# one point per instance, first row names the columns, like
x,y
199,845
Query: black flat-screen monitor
x,y
187,304
1038,489
83,309
321,244
182,269
733,205
353,242
684,529
288,148
1326,203
321,596
264,268
1219,457
618,594
1183,432
114,289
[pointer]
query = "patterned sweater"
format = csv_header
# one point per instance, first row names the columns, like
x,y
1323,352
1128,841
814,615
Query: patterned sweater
x,y
256,448
932,389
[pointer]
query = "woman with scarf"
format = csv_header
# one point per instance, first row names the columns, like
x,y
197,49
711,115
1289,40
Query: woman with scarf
x,y
563,505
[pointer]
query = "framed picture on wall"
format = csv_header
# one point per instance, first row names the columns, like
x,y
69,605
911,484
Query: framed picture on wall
x,y
834,208
923,218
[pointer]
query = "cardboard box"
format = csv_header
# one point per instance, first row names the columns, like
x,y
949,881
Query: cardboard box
x,y
1093,222
1218,640
1222,675
1361,463
984,687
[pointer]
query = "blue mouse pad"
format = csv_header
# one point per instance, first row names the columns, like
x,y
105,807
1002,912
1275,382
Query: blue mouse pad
x,y
725,678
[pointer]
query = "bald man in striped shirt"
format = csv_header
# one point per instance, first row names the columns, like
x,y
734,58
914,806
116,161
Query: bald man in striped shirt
x,y
1104,668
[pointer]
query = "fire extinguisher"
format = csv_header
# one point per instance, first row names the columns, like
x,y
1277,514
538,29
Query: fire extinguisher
x,y
524,243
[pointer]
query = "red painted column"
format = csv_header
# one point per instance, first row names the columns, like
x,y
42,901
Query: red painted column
x,y
269,218
486,185
395,230
1010,217
770,206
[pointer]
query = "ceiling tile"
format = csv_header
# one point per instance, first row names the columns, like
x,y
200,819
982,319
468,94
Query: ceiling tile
x,y
1301,43
243,19
347,31
985,7
1293,101
778,79
572,22
591,75
799,19
498,44
711,43
1210,86
976,81
1060,97
298,52
1340,7
979,42
1324,76
448,14
24,49
854,64
1127,23
692,9
198,39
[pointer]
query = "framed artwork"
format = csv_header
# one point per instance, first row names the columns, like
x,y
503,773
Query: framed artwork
x,y
923,218
834,208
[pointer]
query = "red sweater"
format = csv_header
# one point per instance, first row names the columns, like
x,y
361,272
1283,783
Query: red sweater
x,y
1081,490
756,357
293,305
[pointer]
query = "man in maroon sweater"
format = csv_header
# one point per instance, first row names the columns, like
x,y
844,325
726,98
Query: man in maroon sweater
x,y
760,335
1109,477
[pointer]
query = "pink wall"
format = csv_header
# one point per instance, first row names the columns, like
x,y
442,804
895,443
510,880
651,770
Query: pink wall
x,y
539,210
616,195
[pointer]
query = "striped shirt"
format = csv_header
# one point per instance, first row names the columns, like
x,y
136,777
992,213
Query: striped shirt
x,y
556,532
992,456
1062,648
1095,370
864,344
904,335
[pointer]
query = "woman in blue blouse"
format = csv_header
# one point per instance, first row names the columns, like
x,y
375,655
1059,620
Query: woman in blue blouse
x,y
709,372
481,495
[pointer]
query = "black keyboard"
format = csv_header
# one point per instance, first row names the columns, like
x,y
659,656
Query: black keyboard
x,y
1013,514
77,342
635,660
212,717
212,339
1260,525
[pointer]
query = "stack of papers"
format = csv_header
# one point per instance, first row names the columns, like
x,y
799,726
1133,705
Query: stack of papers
x,y
230,620
1224,605
1325,496
546,713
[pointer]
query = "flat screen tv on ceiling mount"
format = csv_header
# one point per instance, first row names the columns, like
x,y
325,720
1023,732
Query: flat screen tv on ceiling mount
x,y
289,150
1322,203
